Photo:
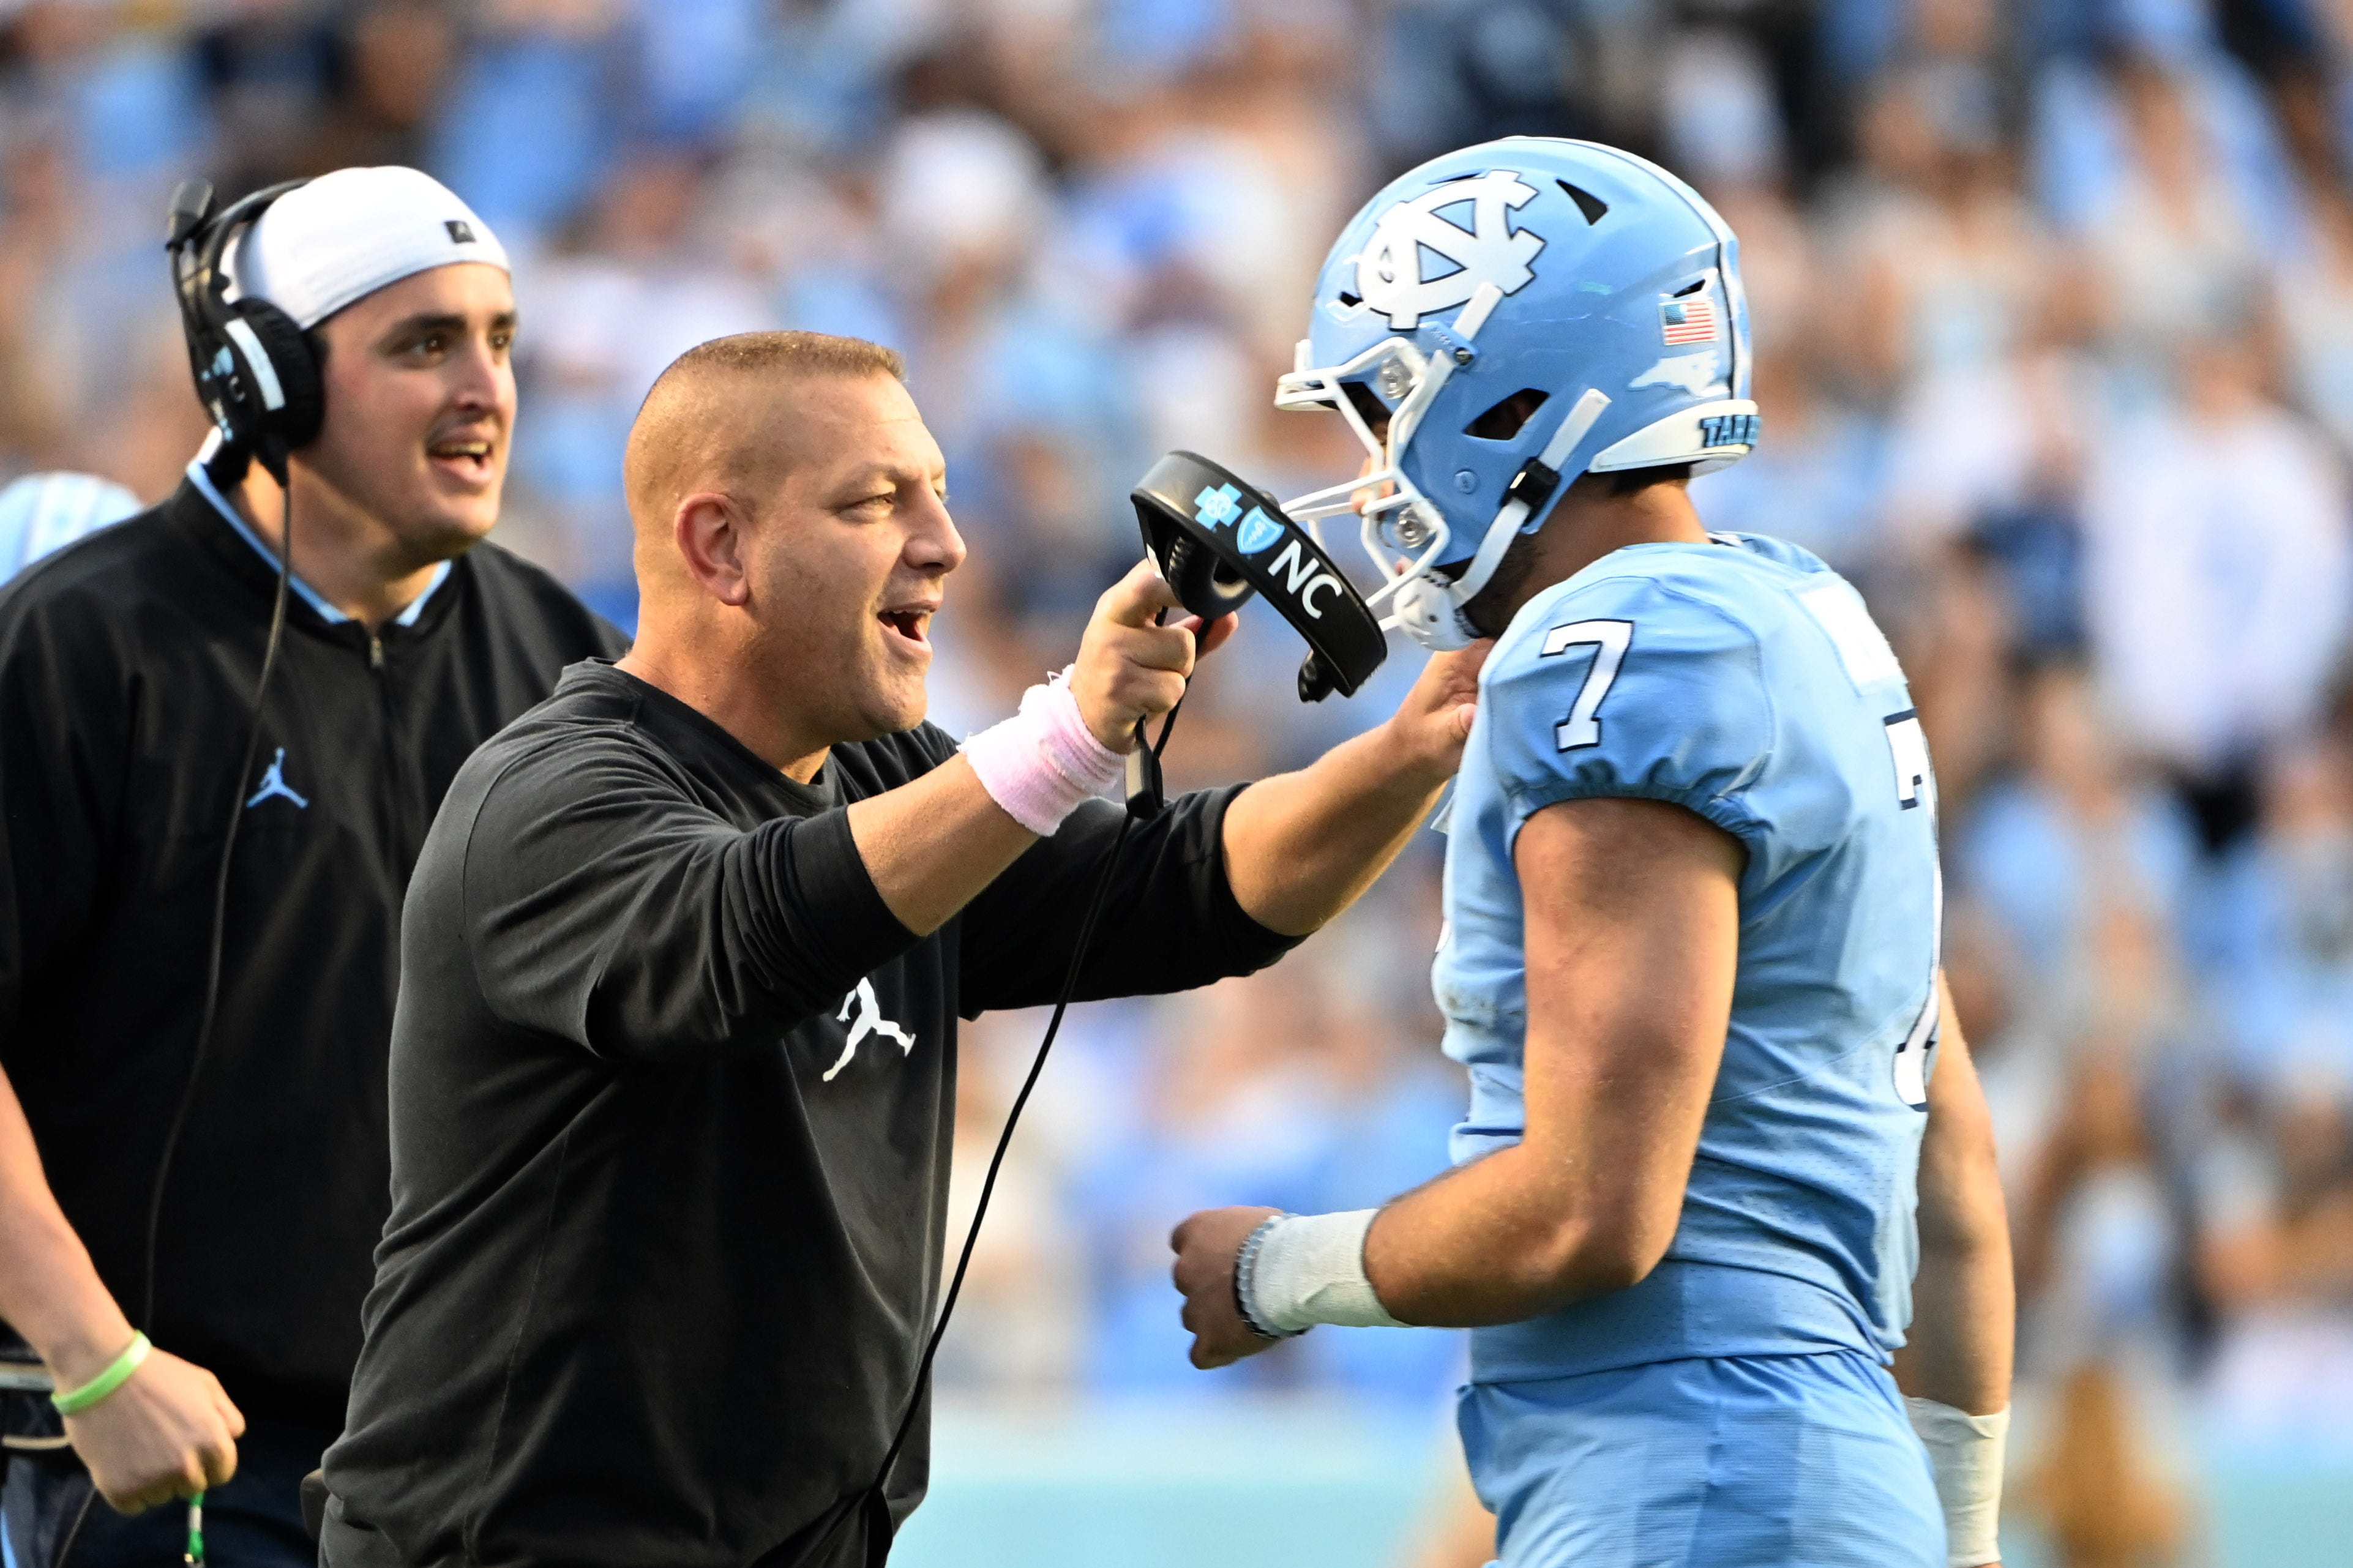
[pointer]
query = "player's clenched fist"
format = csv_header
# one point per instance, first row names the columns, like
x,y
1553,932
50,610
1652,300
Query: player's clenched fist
x,y
1207,1246
168,1432
1129,666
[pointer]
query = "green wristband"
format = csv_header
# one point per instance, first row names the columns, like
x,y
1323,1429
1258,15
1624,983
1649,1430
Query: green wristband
x,y
118,1373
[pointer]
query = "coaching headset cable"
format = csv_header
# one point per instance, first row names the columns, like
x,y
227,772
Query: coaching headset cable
x,y
206,1013
209,1011
873,1503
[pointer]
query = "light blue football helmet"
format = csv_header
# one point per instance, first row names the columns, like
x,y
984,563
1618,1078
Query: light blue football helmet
x,y
1565,269
43,512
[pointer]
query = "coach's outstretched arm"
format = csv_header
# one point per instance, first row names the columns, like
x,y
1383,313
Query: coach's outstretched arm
x,y
1302,846
1299,847
609,907
933,844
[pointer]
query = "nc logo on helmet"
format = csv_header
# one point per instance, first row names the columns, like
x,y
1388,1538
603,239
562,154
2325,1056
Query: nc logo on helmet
x,y
1395,275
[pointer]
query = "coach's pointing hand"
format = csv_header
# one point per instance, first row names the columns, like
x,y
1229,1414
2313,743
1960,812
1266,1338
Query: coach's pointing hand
x,y
1132,667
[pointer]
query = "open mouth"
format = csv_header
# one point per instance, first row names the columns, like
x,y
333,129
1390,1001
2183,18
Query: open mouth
x,y
915,626
469,459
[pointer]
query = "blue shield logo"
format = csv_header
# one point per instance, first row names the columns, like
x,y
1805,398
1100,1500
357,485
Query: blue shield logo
x,y
1256,531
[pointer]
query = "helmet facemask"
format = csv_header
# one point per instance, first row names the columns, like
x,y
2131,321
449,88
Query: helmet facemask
x,y
1427,599
1383,494
1396,517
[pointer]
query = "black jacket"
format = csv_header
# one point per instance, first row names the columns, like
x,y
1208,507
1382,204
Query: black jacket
x,y
672,1095
127,670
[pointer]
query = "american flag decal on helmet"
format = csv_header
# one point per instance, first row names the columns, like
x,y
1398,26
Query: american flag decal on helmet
x,y
1691,319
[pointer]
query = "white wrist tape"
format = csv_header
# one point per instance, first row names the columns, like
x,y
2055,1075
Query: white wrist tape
x,y
1965,1452
1041,762
1310,1269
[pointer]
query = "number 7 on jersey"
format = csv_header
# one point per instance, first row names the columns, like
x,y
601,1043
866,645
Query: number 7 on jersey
x,y
1608,640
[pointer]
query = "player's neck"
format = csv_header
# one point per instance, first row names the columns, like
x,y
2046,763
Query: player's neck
x,y
1589,523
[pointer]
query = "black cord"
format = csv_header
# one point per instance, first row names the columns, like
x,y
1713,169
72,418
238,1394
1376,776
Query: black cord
x,y
212,960
73,1531
220,903
873,1502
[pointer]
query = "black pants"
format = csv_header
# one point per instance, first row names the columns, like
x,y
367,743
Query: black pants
x,y
255,1522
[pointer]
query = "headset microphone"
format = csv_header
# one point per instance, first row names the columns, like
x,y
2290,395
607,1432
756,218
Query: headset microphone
x,y
1220,540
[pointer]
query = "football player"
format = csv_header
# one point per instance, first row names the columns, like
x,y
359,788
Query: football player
x,y
1726,1163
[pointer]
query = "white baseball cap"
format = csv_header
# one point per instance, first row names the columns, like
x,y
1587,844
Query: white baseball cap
x,y
348,234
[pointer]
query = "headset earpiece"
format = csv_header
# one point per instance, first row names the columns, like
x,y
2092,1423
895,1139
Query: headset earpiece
x,y
254,369
285,374
1205,584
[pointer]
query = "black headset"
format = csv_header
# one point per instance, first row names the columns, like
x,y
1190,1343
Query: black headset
x,y
255,371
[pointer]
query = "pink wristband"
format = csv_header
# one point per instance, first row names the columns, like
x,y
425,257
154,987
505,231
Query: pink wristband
x,y
1041,762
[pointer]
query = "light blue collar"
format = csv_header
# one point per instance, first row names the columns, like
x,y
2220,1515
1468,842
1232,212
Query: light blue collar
x,y
326,612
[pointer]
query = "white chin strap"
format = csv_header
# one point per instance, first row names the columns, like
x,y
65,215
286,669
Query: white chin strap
x,y
1428,604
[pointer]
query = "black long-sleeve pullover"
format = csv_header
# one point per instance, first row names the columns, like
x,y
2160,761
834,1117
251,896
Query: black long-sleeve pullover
x,y
671,1103
126,671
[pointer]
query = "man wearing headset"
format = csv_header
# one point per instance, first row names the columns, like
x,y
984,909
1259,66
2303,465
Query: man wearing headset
x,y
193,1035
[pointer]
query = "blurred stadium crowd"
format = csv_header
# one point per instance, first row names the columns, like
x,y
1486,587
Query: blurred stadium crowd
x,y
2053,310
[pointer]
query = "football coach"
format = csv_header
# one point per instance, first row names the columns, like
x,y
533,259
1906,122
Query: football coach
x,y
672,1074
217,1194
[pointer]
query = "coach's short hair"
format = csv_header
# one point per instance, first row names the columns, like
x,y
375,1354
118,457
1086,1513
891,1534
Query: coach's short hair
x,y
678,437
806,354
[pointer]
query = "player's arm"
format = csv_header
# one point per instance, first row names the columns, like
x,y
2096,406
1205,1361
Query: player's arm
x,y
1632,931
1955,1367
166,1430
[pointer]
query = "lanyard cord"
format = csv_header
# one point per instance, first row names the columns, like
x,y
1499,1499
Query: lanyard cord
x,y
873,1503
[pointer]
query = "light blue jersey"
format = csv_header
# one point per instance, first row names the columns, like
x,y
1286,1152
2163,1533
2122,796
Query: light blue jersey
x,y
1744,680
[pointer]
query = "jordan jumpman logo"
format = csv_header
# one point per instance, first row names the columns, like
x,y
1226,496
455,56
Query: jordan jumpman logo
x,y
869,1021
273,783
